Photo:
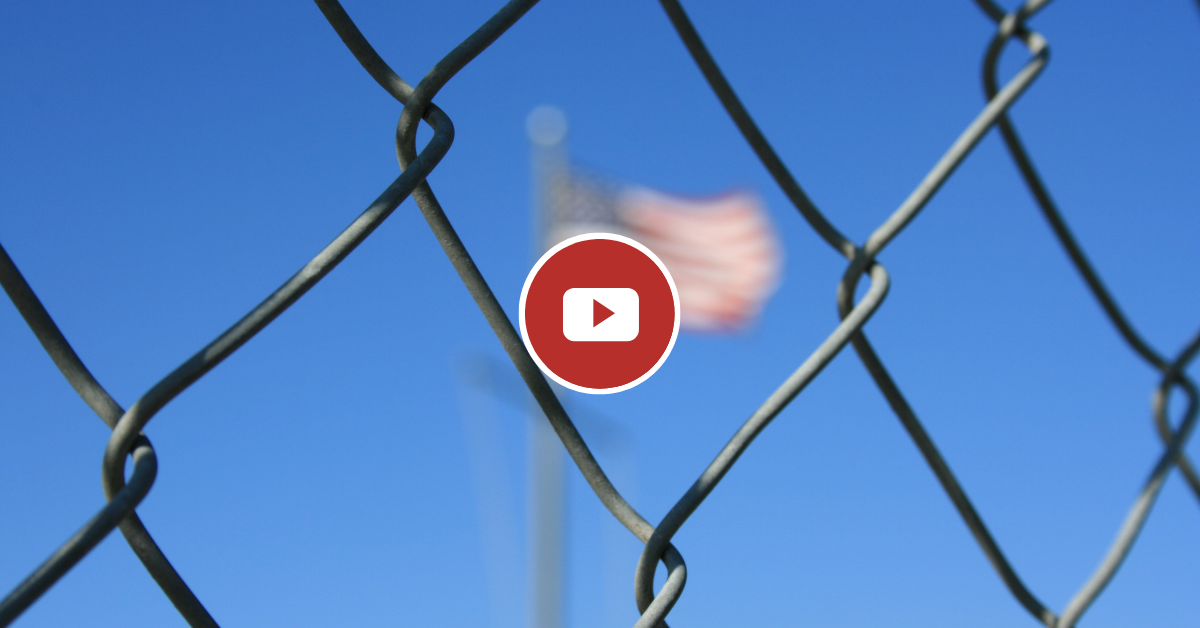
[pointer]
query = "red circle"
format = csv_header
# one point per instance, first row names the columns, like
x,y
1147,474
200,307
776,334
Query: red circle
x,y
599,261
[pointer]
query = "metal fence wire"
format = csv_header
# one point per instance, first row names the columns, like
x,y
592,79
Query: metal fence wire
x,y
128,441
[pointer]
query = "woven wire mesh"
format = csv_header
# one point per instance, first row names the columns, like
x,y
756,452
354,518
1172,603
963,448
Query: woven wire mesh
x,y
128,441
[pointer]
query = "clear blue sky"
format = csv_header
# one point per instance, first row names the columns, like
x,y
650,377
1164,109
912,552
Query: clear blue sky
x,y
164,166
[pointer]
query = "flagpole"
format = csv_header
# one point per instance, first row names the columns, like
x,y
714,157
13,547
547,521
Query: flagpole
x,y
547,128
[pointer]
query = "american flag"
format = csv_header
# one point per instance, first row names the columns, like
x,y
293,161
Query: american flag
x,y
721,250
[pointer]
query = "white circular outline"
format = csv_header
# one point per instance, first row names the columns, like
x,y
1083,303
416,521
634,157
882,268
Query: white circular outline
x,y
583,238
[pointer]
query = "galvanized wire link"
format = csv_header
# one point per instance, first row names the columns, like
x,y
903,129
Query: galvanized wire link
x,y
110,412
861,260
994,113
128,441
1046,204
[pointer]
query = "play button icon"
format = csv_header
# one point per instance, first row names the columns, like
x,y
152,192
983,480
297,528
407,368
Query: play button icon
x,y
586,318
599,313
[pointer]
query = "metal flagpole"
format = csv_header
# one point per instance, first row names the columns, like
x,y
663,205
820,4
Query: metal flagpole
x,y
547,128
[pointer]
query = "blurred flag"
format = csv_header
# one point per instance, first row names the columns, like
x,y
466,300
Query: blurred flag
x,y
721,250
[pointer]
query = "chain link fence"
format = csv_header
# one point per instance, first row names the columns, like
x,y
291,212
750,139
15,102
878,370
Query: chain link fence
x,y
129,443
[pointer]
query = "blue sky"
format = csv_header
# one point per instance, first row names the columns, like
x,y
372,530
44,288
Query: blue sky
x,y
163,167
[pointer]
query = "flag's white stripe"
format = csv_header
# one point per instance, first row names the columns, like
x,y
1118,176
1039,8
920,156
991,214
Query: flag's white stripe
x,y
756,253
